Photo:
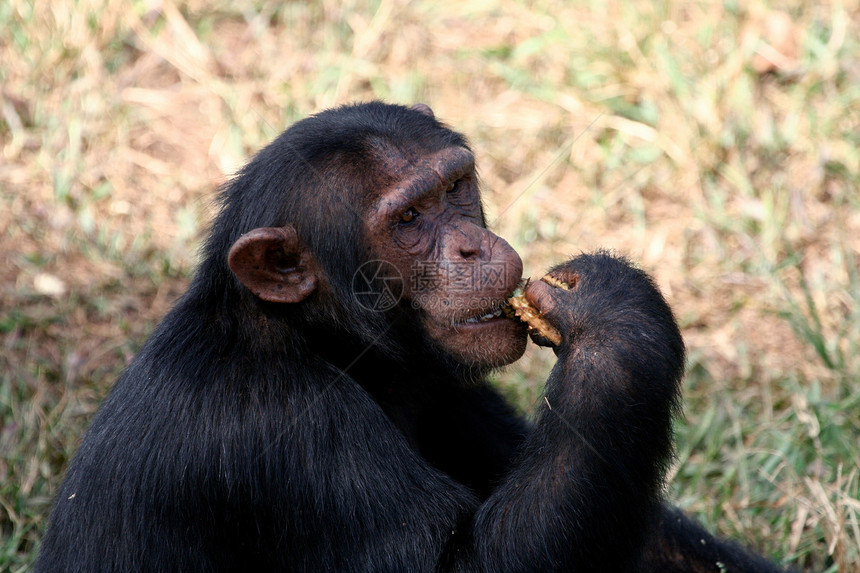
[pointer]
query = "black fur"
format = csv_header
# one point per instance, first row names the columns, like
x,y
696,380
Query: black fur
x,y
251,436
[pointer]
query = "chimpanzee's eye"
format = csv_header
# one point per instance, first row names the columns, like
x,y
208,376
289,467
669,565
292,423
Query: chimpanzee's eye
x,y
410,215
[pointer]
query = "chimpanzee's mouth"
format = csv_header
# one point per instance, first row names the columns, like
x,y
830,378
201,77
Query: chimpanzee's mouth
x,y
497,313
505,308
490,310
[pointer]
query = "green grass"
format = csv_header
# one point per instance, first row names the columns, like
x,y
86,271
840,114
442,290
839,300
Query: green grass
x,y
651,129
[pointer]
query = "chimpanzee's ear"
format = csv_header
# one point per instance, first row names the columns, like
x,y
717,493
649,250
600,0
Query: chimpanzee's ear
x,y
274,264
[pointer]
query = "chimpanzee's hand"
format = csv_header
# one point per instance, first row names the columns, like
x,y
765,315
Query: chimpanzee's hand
x,y
597,298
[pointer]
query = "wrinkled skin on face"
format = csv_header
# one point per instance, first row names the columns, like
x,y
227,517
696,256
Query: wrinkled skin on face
x,y
457,274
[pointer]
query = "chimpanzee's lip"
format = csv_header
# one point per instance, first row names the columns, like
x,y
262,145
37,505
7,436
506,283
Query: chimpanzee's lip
x,y
486,317
496,309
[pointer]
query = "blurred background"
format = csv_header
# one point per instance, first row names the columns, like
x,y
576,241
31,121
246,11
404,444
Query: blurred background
x,y
716,143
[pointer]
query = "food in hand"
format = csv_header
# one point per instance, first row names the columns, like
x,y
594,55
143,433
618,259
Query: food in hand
x,y
524,310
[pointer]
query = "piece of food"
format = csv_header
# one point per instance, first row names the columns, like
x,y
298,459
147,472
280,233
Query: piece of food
x,y
524,310
552,281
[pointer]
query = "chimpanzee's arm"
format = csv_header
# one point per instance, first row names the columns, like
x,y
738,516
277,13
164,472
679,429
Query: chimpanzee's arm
x,y
588,476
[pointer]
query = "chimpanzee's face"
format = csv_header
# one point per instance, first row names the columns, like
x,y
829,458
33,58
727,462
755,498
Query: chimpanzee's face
x,y
457,274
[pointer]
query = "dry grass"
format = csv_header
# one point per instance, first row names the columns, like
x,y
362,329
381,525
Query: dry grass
x,y
716,144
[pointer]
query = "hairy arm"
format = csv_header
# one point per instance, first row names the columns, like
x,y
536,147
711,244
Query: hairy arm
x,y
588,476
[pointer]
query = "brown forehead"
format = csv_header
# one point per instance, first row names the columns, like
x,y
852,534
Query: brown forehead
x,y
407,169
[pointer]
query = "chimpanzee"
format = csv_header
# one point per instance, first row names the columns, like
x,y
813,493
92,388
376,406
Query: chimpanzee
x,y
275,421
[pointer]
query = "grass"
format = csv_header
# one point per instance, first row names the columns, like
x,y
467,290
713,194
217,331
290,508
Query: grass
x,y
716,143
